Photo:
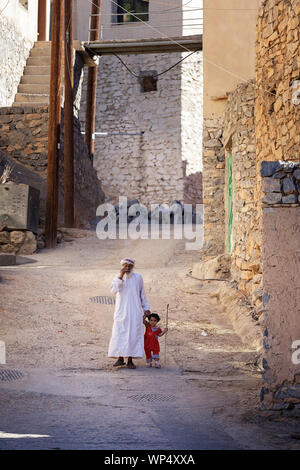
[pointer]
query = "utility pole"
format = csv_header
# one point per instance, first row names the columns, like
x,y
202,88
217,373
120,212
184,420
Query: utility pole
x,y
90,113
54,125
68,118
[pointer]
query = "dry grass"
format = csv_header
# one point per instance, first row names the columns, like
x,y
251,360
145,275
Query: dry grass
x,y
4,178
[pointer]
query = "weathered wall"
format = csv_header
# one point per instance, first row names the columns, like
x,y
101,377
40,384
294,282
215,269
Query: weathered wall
x,y
14,50
281,256
228,57
228,49
192,111
277,67
193,189
213,185
239,139
149,167
24,137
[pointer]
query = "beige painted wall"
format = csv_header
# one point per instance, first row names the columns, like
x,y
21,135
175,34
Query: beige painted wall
x,y
228,43
165,19
281,257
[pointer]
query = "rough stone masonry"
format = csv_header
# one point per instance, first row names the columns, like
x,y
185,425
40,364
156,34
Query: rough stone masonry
x,y
149,167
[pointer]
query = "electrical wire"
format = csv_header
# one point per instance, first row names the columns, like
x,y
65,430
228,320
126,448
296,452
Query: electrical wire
x,y
4,7
207,8
148,25
176,8
158,74
204,59
168,25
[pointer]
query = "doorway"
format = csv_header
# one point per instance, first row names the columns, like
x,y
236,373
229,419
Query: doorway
x,y
230,201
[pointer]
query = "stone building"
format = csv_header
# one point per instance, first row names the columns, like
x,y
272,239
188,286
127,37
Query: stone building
x,y
251,186
163,161
229,58
24,98
277,128
20,23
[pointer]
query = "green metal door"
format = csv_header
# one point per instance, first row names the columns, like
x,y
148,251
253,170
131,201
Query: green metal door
x,y
230,201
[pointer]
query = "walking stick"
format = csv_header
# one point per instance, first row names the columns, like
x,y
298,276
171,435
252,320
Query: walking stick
x,y
167,318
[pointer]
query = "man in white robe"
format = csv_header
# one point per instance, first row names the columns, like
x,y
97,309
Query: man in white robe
x,y
127,338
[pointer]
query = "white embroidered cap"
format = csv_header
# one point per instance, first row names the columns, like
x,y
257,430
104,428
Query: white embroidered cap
x,y
127,261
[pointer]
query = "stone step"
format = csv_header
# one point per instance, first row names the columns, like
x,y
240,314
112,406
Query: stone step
x,y
29,98
38,61
35,70
32,104
42,44
40,52
34,88
35,79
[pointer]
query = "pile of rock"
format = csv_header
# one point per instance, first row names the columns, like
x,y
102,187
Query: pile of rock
x,y
21,242
280,183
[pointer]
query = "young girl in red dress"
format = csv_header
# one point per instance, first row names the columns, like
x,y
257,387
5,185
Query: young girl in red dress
x,y
151,343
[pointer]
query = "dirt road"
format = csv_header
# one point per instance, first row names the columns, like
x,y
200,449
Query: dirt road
x,y
204,397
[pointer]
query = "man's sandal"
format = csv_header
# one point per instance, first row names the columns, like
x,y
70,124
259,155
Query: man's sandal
x,y
120,362
130,365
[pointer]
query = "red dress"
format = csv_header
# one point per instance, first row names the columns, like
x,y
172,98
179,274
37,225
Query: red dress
x,y
151,343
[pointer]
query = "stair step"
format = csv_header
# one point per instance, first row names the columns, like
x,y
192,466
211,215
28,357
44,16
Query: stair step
x,y
40,52
29,98
42,44
35,79
32,104
35,70
39,61
34,88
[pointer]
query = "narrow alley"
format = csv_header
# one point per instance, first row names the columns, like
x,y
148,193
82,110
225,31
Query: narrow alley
x,y
69,396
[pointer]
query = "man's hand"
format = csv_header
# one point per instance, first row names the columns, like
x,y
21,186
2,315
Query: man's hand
x,y
123,271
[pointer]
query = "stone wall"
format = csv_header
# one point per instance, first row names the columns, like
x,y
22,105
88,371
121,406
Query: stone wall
x,y
24,135
148,167
14,51
239,139
277,68
213,185
193,189
24,138
281,256
277,111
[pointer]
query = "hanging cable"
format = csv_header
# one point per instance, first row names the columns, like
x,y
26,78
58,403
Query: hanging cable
x,y
158,74
204,59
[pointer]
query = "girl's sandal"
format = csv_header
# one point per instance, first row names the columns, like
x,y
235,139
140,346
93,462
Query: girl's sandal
x,y
149,364
157,365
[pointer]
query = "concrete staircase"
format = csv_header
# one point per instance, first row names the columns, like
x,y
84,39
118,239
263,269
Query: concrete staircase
x,y
34,89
